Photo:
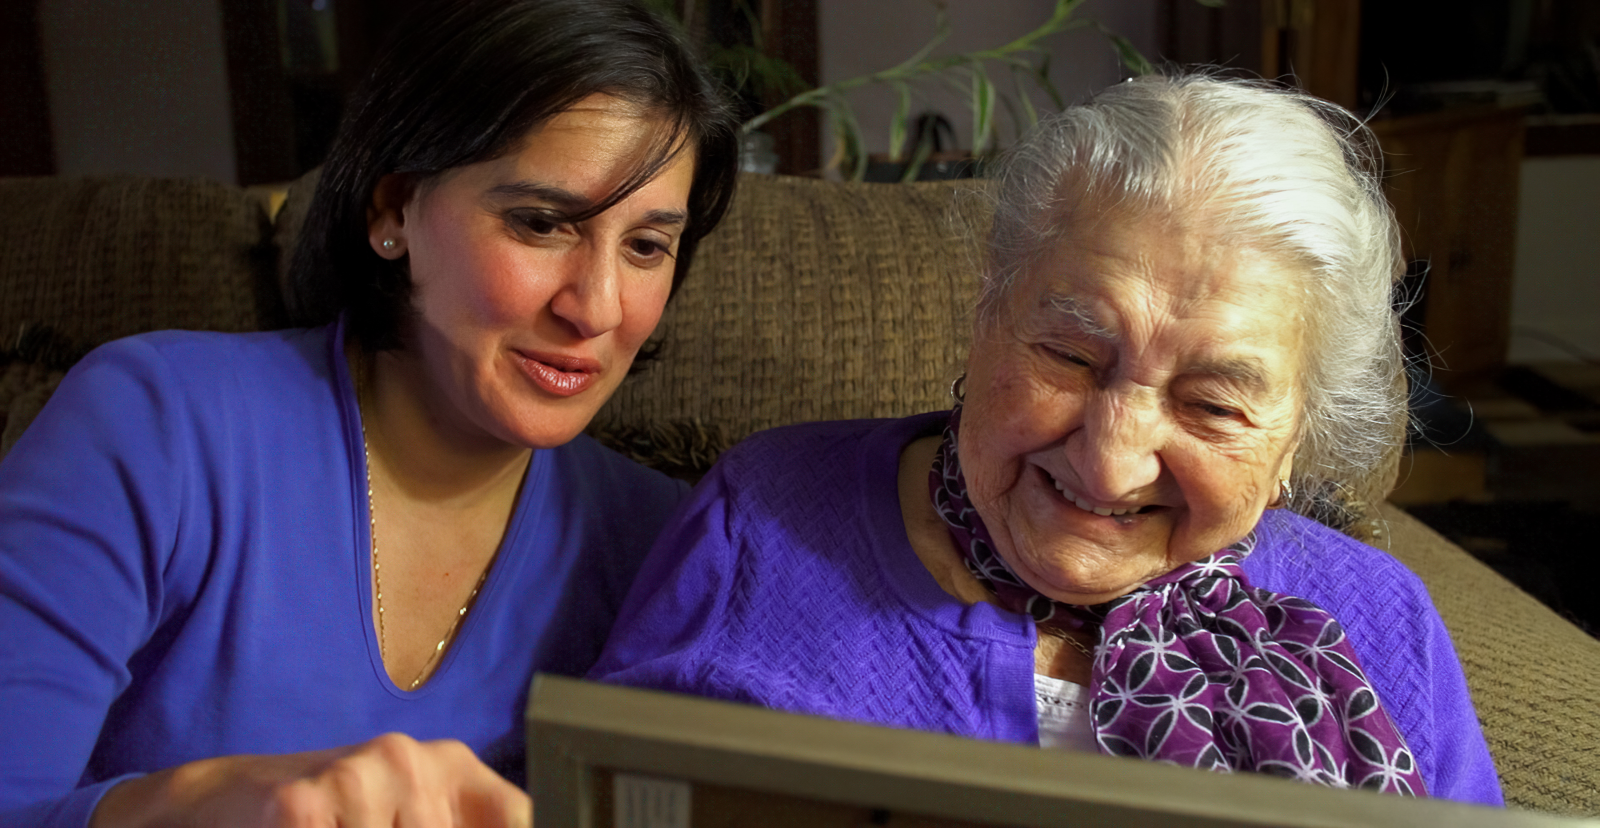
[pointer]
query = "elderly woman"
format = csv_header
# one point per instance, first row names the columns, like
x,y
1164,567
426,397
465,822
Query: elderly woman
x,y
1183,353
305,576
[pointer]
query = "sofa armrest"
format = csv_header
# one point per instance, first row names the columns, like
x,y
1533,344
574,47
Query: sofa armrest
x,y
1534,676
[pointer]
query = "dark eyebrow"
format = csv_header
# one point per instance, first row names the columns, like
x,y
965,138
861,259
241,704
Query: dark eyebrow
x,y
675,218
570,203
567,200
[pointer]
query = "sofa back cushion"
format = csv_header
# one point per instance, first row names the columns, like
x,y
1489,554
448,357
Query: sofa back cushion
x,y
814,300
88,260
96,259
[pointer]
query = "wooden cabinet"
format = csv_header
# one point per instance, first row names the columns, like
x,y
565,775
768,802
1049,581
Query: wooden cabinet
x,y
1452,177
1316,41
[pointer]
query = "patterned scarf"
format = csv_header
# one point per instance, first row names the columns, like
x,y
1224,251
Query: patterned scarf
x,y
1198,668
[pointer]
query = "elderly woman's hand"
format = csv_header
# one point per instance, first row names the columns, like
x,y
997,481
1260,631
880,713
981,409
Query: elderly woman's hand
x,y
392,780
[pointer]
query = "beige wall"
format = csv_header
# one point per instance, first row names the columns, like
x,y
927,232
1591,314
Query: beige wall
x,y
137,86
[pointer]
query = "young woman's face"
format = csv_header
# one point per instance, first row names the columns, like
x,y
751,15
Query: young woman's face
x,y
525,322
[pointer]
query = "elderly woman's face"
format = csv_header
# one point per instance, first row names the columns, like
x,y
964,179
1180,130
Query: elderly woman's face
x,y
1131,404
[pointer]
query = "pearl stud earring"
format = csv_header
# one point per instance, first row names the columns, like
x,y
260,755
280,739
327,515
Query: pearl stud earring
x,y
390,244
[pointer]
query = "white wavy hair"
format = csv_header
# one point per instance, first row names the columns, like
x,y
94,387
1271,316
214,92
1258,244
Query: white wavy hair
x,y
1266,166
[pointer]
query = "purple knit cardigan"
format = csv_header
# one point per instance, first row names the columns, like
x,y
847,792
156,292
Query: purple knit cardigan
x,y
787,581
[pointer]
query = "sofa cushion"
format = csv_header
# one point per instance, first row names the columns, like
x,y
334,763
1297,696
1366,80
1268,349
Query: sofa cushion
x,y
286,229
93,259
1535,678
24,389
813,301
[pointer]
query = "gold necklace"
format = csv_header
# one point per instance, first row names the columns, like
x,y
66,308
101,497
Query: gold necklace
x,y
377,567
1055,632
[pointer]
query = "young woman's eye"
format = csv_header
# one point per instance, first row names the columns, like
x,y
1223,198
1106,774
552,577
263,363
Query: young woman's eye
x,y
536,224
649,251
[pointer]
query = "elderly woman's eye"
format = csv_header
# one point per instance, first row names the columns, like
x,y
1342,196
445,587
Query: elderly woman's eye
x,y
1213,410
1067,355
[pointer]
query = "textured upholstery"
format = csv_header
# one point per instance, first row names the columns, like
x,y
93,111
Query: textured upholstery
x,y
24,387
87,260
1535,678
814,300
95,259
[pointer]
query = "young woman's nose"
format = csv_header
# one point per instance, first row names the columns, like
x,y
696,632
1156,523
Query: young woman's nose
x,y
590,297
1117,451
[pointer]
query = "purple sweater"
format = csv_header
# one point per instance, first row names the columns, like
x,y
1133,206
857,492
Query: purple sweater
x,y
787,581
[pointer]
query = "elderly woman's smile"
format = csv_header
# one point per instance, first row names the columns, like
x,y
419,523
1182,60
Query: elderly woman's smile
x,y
1132,403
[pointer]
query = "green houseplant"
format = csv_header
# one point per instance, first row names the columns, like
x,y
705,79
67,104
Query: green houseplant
x,y
1021,65
997,82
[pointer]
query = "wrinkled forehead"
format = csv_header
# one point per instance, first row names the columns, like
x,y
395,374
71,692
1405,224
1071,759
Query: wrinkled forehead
x,y
1200,237
1121,275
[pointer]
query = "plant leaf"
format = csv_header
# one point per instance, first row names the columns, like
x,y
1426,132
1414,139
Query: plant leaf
x,y
1129,55
1012,114
848,133
1042,74
941,33
897,127
982,110
919,157
1028,112
951,69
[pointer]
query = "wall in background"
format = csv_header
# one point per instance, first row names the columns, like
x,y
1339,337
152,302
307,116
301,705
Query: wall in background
x,y
856,38
1556,289
137,86
141,87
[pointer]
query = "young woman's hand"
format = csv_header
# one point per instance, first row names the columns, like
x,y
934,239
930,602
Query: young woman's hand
x,y
392,780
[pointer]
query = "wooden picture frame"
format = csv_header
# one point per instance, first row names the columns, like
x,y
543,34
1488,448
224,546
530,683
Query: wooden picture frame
x,y
596,753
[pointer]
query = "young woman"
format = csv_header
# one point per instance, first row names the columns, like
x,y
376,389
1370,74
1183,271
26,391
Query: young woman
x,y
307,575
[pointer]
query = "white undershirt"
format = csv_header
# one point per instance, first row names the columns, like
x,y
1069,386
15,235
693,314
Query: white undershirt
x,y
1064,720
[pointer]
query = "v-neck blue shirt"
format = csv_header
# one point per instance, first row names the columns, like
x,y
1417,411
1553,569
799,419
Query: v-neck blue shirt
x,y
185,573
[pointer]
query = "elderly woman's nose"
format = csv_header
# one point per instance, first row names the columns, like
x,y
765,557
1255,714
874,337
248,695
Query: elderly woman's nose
x,y
1116,452
590,295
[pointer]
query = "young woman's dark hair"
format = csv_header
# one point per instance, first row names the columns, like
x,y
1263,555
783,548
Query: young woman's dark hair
x,y
463,81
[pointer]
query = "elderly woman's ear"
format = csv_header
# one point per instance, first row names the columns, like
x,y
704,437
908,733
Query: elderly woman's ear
x,y
1285,493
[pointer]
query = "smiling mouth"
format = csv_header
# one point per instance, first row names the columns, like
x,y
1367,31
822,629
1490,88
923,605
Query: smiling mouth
x,y
561,376
1103,511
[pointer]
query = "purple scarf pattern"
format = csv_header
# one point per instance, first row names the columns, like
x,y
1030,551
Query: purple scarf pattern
x,y
1198,668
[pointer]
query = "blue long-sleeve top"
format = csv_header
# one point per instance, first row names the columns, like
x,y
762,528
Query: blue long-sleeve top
x,y
185,573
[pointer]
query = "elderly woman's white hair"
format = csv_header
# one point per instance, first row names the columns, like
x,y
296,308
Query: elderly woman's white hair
x,y
1264,166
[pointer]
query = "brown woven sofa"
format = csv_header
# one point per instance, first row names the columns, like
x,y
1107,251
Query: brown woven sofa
x,y
813,301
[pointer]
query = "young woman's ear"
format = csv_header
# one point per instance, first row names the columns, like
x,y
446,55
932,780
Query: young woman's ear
x,y
386,215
